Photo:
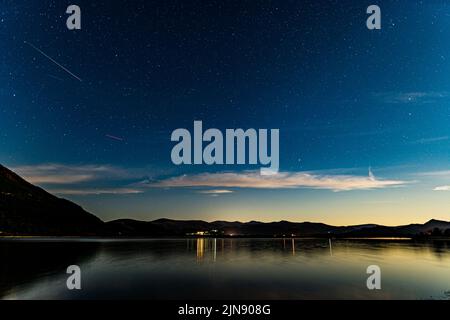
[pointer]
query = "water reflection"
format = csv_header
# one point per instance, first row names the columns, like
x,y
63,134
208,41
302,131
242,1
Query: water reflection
x,y
205,246
200,248
27,261
209,268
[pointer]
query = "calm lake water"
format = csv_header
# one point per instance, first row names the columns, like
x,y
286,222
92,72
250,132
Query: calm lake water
x,y
224,269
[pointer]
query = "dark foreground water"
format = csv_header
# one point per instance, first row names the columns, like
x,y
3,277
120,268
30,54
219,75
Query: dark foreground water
x,y
224,269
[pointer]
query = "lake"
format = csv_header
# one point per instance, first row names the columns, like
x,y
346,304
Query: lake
x,y
224,268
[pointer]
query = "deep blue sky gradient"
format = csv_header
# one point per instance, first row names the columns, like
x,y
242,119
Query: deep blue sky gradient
x,y
341,95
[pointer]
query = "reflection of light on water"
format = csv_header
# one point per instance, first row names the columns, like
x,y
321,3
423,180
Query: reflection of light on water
x,y
207,245
200,248
164,264
287,246
214,249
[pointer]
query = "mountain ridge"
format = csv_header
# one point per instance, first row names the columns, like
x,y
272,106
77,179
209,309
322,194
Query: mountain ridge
x,y
171,227
26,209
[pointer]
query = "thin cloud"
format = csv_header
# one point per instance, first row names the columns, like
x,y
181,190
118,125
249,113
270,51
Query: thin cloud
x,y
282,180
440,173
412,97
431,140
85,192
61,179
216,192
442,188
66,174
73,179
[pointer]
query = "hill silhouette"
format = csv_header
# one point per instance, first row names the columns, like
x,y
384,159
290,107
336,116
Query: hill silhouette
x,y
29,210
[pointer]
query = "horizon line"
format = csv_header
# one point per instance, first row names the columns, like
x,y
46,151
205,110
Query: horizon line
x,y
273,221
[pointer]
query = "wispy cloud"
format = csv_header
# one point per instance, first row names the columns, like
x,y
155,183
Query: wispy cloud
x,y
282,180
62,179
79,180
431,140
67,174
439,173
413,96
85,192
442,188
216,192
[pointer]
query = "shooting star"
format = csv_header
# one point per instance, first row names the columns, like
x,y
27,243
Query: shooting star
x,y
53,60
113,137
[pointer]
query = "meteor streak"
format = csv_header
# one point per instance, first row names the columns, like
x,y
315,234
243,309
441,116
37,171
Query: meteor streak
x,y
113,137
53,60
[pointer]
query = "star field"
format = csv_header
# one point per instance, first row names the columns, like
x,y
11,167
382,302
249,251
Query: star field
x,y
344,97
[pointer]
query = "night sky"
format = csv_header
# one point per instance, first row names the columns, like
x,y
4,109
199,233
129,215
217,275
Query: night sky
x,y
345,99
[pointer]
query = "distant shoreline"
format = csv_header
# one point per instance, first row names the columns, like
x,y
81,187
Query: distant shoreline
x,y
118,239
29,211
